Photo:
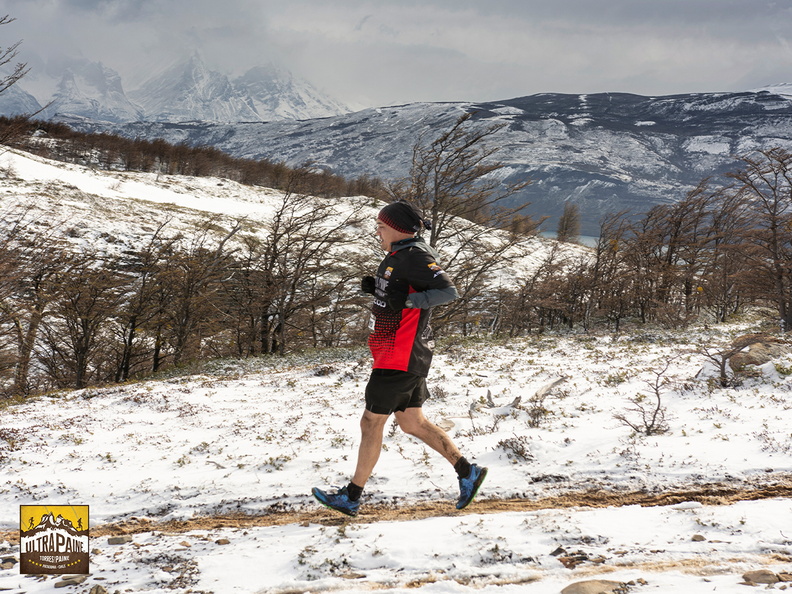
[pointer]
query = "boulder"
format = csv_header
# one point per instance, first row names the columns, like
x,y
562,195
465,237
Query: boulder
x,y
761,576
757,349
593,587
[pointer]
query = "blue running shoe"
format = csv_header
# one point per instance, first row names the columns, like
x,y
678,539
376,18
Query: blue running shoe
x,y
338,501
469,486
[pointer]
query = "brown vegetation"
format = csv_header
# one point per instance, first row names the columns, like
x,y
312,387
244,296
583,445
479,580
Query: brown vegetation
x,y
109,151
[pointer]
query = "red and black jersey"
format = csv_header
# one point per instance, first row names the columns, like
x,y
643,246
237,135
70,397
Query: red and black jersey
x,y
402,339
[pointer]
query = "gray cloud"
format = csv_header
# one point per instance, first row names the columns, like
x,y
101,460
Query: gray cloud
x,y
375,53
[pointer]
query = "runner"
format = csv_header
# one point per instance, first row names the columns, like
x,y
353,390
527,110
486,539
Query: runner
x,y
408,284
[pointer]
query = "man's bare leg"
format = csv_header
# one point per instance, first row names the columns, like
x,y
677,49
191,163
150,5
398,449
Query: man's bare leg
x,y
413,422
372,426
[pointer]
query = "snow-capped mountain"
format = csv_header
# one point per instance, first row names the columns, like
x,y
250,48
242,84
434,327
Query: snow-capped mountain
x,y
606,152
188,91
91,91
15,101
278,95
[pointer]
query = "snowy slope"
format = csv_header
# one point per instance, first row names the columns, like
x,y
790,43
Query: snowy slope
x,y
228,453
111,211
252,437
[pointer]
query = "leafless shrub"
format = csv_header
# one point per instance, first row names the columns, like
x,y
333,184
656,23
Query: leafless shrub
x,y
517,447
648,415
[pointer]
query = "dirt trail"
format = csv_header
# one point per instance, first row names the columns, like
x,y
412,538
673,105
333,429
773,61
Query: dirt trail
x,y
711,494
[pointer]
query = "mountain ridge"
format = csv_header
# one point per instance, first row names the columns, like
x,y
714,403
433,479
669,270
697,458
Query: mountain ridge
x,y
188,90
606,152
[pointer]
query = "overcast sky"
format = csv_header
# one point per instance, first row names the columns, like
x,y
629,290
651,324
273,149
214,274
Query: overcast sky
x,y
373,53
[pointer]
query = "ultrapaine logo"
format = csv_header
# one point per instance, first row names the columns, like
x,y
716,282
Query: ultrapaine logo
x,y
53,539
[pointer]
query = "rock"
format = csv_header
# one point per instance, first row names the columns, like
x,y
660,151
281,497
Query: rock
x,y
73,580
761,576
351,575
118,540
593,587
785,577
223,541
761,349
698,538
98,590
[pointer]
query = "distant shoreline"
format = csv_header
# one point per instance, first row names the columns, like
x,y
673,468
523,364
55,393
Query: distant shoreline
x,y
587,240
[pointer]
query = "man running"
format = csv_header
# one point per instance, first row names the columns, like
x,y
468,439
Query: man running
x,y
408,284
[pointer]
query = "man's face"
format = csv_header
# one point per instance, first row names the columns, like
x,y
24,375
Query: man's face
x,y
387,235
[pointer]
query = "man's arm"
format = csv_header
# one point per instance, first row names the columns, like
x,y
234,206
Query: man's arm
x,y
430,282
433,297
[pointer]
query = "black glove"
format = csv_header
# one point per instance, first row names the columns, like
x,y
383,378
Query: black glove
x,y
367,284
396,301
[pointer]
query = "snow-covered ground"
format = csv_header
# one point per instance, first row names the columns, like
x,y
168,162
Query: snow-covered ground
x,y
253,437
234,448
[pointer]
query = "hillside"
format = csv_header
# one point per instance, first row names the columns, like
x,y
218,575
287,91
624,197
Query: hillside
x,y
187,268
111,210
202,475
605,152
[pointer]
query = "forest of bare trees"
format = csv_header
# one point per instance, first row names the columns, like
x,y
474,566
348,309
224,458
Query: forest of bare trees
x,y
724,246
74,318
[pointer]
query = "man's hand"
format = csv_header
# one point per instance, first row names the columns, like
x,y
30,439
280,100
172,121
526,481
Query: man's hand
x,y
367,284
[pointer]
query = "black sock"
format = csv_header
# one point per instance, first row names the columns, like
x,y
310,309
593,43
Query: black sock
x,y
462,467
354,491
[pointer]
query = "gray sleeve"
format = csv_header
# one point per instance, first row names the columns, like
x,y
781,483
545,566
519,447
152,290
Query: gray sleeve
x,y
433,297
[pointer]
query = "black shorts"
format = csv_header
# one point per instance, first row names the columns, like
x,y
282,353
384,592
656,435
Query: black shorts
x,y
390,390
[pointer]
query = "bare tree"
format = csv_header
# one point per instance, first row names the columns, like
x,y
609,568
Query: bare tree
x,y
649,412
298,263
193,277
7,55
724,282
569,223
720,356
611,282
14,127
455,181
89,294
31,258
765,183
141,305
